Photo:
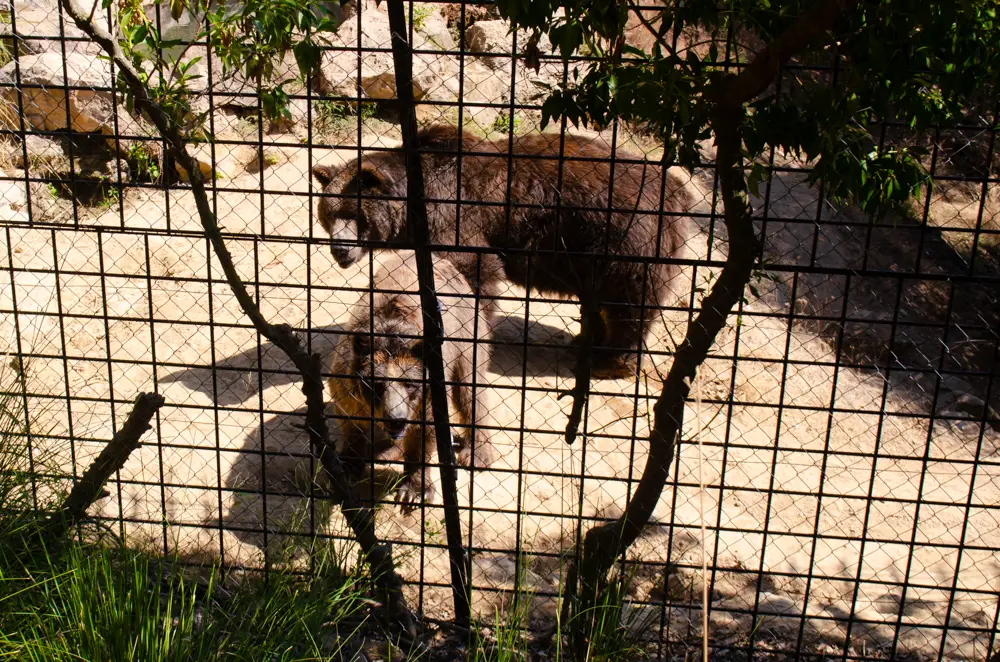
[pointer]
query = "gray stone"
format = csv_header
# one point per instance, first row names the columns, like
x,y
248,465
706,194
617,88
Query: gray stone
x,y
494,39
339,75
489,37
13,202
430,30
45,206
44,156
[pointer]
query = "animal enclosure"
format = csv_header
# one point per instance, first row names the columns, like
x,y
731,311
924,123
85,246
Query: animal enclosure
x,y
840,448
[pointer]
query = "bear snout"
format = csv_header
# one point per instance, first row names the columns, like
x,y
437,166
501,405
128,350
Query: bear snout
x,y
394,427
345,256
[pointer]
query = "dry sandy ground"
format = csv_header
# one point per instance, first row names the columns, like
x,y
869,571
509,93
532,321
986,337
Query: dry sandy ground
x,y
788,462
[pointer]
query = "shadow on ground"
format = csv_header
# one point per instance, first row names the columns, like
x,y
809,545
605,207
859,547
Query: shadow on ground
x,y
919,320
275,494
235,379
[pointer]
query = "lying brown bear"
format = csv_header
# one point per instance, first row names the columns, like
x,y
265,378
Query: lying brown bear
x,y
378,375
557,236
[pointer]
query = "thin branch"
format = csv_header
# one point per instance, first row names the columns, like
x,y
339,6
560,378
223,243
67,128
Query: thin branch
x,y
762,70
361,519
589,313
660,34
88,490
416,215
603,544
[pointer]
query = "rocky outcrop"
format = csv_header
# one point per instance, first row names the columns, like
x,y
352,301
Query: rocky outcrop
x,y
50,100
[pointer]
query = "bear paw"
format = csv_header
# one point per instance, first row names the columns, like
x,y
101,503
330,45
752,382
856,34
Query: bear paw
x,y
411,494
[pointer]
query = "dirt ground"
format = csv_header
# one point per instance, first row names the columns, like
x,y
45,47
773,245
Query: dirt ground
x,y
831,493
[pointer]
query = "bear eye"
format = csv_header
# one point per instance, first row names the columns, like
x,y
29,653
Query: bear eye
x,y
417,350
362,224
362,344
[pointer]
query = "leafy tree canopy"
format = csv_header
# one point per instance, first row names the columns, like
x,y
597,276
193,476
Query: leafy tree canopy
x,y
912,62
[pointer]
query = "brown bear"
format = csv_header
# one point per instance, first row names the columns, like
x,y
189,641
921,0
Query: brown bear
x,y
590,227
378,376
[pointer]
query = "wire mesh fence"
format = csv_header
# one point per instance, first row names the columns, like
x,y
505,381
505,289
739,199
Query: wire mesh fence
x,y
841,452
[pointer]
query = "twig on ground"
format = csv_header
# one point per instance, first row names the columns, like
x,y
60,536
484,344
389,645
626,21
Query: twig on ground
x,y
91,485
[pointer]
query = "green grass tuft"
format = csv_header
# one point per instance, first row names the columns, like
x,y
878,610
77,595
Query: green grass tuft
x,y
505,124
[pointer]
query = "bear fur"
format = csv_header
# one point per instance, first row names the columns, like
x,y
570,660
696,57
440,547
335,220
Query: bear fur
x,y
557,237
378,375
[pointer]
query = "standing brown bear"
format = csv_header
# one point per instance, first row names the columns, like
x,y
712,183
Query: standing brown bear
x,y
378,376
585,228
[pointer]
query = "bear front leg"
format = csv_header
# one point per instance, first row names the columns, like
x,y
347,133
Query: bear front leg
x,y
462,400
624,326
416,485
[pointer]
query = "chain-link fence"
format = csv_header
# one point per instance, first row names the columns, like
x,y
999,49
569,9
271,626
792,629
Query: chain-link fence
x,y
840,451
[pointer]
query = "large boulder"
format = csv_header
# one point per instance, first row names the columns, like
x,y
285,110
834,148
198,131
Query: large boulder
x,y
435,78
489,37
233,89
495,38
435,75
339,74
430,29
453,14
77,97
39,31
42,156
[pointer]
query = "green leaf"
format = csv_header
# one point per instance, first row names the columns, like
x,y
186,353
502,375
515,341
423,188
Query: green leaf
x,y
177,8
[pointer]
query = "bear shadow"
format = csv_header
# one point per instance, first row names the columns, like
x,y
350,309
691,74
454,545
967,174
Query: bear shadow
x,y
545,353
236,376
275,498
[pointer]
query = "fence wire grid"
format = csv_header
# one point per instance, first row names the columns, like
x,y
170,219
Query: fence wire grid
x,y
847,421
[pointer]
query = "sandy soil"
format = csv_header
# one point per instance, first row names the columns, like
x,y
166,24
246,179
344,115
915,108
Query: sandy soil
x,y
830,490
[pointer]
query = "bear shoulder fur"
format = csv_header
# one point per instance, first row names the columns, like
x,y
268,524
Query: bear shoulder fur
x,y
563,215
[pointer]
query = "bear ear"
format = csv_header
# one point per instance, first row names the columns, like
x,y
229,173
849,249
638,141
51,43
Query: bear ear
x,y
369,176
323,174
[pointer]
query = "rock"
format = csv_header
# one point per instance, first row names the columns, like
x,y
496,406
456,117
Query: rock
x,y
13,202
484,86
435,78
339,68
184,29
231,88
45,206
636,32
87,107
494,37
489,37
203,157
44,156
39,31
298,115
430,29
452,13
230,161
435,75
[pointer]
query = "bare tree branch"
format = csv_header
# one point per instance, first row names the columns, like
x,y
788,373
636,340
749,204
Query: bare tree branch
x,y
604,543
416,214
763,68
111,459
361,519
